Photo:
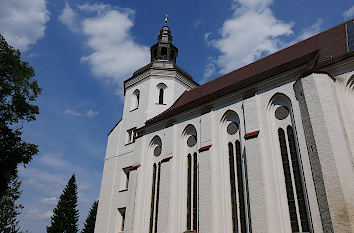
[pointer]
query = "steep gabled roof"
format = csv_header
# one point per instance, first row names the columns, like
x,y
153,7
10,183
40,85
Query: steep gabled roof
x,y
319,50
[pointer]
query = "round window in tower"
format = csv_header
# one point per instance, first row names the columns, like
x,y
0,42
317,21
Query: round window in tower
x,y
281,113
157,150
232,128
191,141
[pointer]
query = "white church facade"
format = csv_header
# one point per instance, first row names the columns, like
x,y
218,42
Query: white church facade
x,y
268,147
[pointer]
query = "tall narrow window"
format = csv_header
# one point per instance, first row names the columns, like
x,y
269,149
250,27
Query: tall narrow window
x,y
192,182
192,192
240,184
294,183
135,100
130,136
233,188
125,179
195,191
161,91
152,199
288,181
155,193
298,181
157,196
121,219
189,191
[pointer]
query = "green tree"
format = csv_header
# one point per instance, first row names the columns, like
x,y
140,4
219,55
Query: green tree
x,y
90,222
9,209
65,214
18,91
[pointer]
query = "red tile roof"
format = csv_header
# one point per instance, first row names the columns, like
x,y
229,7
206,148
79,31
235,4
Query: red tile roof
x,y
315,49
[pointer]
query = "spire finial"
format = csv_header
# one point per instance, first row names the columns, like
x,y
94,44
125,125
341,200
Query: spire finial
x,y
166,18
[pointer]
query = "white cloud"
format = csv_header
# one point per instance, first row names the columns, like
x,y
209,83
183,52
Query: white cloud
x,y
36,215
48,200
90,113
252,32
114,53
206,37
23,22
197,23
43,176
209,70
349,13
309,31
53,161
69,18
97,7
72,112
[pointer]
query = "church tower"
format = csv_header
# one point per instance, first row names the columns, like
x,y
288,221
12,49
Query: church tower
x,y
150,91
153,88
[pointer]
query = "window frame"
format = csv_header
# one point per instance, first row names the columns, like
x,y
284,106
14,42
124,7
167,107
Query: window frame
x,y
131,136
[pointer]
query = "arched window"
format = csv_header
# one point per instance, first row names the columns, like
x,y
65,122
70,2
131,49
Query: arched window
x,y
161,96
283,121
230,127
164,53
135,100
155,150
191,155
161,93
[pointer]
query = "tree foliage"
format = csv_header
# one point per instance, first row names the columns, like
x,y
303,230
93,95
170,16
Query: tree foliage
x,y
9,209
90,222
65,214
18,91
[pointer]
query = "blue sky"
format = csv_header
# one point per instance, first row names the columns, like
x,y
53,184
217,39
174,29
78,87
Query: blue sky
x,y
83,50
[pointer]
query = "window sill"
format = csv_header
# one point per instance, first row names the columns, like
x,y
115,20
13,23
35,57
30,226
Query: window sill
x,y
160,104
123,190
129,143
134,109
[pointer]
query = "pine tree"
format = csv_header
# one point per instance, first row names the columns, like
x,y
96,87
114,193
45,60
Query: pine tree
x,y
89,226
65,215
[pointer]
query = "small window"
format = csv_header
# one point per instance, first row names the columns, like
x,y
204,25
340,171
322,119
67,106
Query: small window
x,y
161,93
161,96
135,100
131,136
164,53
121,219
125,179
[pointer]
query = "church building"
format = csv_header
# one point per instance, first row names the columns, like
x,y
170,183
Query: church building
x,y
268,147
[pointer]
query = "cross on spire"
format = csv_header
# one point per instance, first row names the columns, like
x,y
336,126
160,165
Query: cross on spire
x,y
166,18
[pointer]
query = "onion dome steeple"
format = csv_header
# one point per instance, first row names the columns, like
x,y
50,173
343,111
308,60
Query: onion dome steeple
x,y
164,50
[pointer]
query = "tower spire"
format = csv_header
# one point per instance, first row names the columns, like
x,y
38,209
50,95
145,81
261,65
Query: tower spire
x,y
166,15
164,50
